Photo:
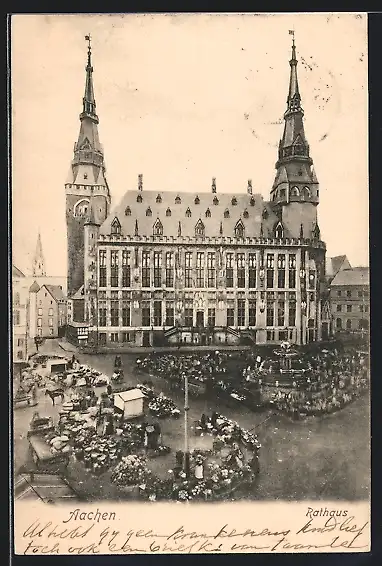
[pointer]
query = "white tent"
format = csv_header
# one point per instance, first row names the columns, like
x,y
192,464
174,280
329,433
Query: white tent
x,y
129,402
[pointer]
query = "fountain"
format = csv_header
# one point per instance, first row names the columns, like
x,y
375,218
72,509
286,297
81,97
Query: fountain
x,y
284,369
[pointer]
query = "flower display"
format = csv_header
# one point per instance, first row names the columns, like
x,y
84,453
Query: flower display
x,y
163,407
131,470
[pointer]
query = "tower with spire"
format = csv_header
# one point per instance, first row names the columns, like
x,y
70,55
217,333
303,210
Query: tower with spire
x,y
86,182
295,191
38,266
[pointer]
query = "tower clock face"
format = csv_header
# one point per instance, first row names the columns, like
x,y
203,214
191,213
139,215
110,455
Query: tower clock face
x,y
320,100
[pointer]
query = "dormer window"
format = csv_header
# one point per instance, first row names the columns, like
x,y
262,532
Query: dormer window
x,y
139,198
85,175
234,201
127,211
265,213
115,226
158,199
208,213
216,201
199,229
252,201
279,231
239,230
188,213
197,200
168,212
178,199
226,213
316,232
245,213
282,193
158,228
149,212
294,192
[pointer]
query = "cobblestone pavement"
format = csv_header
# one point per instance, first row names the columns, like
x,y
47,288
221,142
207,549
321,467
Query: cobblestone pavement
x,y
320,458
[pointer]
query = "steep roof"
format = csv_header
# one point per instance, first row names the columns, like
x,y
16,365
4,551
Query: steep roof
x,y
79,294
56,292
354,276
16,272
34,288
334,264
185,209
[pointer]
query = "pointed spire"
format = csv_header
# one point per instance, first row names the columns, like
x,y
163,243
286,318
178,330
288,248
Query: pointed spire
x,y
221,228
91,216
213,186
249,188
38,260
89,105
301,232
293,144
140,182
179,229
261,231
136,228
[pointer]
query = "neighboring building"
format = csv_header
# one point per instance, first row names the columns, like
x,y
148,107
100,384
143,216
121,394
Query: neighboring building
x,y
349,298
20,315
51,311
197,267
336,264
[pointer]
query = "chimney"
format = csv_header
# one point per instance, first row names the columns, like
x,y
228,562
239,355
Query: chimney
x,y
140,182
213,186
249,188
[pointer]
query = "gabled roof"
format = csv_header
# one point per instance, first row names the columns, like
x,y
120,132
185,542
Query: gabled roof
x,y
16,272
34,288
249,208
334,264
78,294
55,291
354,276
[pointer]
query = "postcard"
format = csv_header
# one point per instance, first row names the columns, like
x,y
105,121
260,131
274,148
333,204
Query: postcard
x,y
190,283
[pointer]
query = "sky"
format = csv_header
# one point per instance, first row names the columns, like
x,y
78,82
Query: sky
x,y
183,98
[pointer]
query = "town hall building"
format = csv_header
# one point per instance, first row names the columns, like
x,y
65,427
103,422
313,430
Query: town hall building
x,y
194,268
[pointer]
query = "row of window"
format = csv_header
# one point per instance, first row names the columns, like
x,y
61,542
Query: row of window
x,y
295,192
277,314
360,294
361,324
349,308
49,314
39,322
204,274
178,200
239,229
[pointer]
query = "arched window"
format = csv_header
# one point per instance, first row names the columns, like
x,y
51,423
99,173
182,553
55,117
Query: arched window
x,y
279,230
208,213
197,200
316,232
168,212
127,211
116,226
158,199
139,198
215,201
245,213
199,229
305,192
16,299
252,201
178,200
226,213
158,228
339,323
295,192
265,213
282,193
348,324
234,201
81,208
239,229
148,212
188,213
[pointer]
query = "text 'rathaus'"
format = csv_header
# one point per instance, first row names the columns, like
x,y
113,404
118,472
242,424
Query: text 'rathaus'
x,y
195,268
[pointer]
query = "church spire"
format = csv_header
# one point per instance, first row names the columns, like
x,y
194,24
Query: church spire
x,y
38,267
293,144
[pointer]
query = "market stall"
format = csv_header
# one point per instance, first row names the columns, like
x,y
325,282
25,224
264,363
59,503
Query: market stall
x,y
130,403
